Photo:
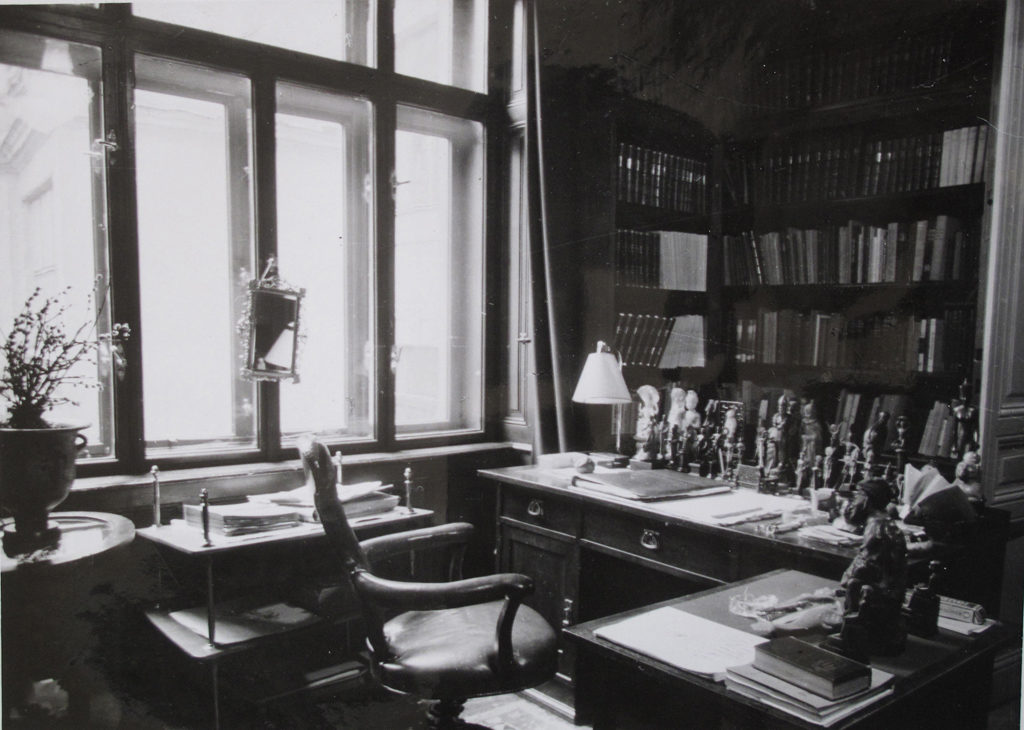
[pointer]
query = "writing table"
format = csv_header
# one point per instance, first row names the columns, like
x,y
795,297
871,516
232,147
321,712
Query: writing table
x,y
592,554
940,682
226,631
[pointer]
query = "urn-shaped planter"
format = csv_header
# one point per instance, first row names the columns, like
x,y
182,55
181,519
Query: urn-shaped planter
x,y
37,468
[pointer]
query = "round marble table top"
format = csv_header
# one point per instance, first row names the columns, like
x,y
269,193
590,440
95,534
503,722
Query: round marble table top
x,y
82,535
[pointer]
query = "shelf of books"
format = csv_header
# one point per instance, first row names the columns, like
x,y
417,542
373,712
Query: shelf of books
x,y
853,200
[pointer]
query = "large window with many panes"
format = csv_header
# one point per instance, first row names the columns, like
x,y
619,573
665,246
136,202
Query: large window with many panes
x,y
156,157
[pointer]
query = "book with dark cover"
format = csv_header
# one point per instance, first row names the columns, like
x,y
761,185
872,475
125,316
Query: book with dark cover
x,y
647,485
812,668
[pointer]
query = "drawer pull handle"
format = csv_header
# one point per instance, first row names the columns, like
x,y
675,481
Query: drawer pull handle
x,y
535,508
650,540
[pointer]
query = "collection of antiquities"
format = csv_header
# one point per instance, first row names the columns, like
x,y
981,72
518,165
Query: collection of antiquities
x,y
846,482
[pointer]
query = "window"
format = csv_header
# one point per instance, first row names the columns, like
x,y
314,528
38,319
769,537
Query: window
x,y
438,272
442,41
193,151
201,160
339,29
53,230
325,242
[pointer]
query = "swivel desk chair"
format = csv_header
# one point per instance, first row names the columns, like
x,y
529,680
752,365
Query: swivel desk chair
x,y
452,640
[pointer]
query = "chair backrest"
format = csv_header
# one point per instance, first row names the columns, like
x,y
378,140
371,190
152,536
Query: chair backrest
x,y
317,464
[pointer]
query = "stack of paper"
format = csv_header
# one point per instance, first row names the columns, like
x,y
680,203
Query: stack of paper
x,y
831,535
780,694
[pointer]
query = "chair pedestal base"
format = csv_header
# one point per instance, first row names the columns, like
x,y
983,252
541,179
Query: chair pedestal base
x,y
444,715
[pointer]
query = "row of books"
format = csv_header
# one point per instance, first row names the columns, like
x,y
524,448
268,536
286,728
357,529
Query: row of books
x,y
650,340
661,179
885,67
855,412
661,259
883,342
848,165
930,249
939,430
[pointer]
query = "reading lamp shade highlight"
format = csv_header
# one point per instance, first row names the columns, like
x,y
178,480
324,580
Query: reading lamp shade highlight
x,y
601,380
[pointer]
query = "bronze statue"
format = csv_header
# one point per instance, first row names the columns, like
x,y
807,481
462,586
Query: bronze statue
x,y
965,417
875,582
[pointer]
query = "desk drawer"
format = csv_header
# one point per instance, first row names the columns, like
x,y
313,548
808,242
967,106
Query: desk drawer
x,y
696,552
541,510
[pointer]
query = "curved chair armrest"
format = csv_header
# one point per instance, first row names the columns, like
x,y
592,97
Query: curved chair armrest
x,y
386,546
424,596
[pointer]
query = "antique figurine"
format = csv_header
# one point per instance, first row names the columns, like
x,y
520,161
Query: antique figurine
x,y
832,474
968,477
646,422
677,408
965,417
727,445
874,584
874,441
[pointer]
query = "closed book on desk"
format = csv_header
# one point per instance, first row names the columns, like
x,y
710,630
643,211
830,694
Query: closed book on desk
x,y
750,682
646,486
374,503
810,667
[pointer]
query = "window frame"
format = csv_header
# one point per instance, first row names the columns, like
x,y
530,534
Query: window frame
x,y
120,35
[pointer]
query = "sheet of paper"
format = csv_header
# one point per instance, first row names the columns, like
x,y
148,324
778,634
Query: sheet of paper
x,y
683,640
719,509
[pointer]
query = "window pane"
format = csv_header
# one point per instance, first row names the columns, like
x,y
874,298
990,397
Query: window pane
x,y
338,29
325,244
52,230
193,147
438,272
443,41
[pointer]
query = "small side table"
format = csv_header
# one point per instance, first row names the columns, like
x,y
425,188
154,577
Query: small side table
x,y
43,590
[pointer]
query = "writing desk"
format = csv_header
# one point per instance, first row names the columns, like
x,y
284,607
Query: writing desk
x,y
940,682
292,549
591,554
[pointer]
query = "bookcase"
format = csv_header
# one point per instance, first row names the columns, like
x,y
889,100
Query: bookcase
x,y
826,246
642,235
852,229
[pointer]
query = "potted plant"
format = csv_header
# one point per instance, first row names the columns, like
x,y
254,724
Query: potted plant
x,y
37,458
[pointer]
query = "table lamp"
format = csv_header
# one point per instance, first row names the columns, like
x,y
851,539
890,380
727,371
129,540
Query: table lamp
x,y
601,383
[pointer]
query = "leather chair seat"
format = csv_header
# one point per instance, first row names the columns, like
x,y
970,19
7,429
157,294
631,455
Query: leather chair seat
x,y
452,652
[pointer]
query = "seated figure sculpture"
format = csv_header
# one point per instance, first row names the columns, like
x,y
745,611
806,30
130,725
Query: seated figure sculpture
x,y
875,582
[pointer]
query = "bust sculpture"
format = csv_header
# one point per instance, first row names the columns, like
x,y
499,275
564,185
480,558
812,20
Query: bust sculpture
x,y
646,422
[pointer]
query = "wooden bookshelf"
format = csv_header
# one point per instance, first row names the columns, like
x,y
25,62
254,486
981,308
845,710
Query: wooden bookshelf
x,y
853,204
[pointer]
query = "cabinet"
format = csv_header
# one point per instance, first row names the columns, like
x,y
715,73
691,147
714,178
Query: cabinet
x,y
854,228
537,536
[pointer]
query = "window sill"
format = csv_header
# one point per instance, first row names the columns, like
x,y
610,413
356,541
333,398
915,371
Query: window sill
x,y
124,493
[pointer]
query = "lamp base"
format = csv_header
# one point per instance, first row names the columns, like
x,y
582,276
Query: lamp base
x,y
638,465
609,460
